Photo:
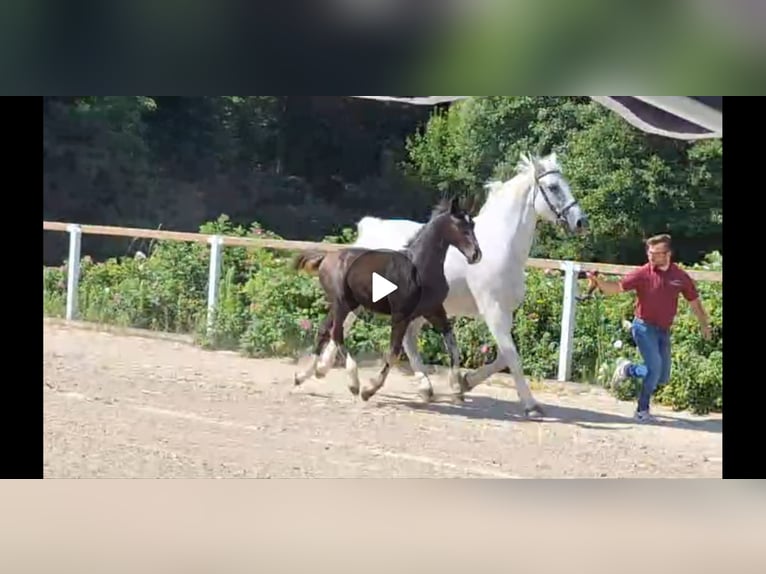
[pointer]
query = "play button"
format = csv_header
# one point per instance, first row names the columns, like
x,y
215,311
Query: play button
x,y
384,281
381,287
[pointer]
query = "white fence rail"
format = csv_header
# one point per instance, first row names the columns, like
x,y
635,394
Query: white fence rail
x,y
218,242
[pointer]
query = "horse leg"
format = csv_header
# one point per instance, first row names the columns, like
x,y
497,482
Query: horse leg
x,y
322,337
442,324
410,343
499,323
327,359
337,338
398,328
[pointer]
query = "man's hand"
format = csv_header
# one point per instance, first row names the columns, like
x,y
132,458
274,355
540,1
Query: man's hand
x,y
702,317
606,287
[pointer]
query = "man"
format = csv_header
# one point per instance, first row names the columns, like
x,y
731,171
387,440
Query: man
x,y
657,285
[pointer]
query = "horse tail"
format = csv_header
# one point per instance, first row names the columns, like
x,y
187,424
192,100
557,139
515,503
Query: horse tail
x,y
308,261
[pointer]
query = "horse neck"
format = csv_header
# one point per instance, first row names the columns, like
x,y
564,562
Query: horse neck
x,y
429,250
508,219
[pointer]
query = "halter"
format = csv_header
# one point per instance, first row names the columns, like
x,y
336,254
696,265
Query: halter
x,y
560,215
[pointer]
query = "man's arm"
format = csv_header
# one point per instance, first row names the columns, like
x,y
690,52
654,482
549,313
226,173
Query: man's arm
x,y
700,312
691,294
629,282
608,287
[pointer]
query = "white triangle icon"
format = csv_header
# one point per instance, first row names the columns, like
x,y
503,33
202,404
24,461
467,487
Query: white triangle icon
x,y
381,287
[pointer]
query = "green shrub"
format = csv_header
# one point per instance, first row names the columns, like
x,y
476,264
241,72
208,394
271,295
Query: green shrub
x,y
268,309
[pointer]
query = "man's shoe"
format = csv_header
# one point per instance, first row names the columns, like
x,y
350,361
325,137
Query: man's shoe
x,y
644,417
620,372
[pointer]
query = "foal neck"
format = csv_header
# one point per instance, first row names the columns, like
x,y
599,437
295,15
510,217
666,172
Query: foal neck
x,y
428,249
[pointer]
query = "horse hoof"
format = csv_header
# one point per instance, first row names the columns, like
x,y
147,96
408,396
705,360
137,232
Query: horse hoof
x,y
354,391
296,380
462,380
457,398
426,395
319,375
534,412
370,389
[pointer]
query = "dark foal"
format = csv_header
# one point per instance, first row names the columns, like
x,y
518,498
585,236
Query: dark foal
x,y
418,272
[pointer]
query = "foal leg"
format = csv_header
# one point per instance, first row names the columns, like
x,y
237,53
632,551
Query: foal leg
x,y
322,337
327,359
440,322
337,338
425,390
500,323
398,328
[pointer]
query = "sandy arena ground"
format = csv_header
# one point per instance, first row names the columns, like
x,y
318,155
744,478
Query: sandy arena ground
x,y
120,405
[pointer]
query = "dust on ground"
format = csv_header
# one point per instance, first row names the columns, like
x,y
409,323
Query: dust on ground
x,y
119,405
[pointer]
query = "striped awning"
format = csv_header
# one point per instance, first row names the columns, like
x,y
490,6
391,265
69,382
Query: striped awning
x,y
679,117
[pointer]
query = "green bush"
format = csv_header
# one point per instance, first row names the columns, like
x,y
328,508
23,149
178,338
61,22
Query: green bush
x,y
267,309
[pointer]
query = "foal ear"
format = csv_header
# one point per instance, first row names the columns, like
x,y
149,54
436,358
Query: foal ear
x,y
454,206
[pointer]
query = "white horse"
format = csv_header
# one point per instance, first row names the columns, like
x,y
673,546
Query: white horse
x,y
495,287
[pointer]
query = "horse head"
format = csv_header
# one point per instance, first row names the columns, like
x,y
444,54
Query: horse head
x,y
460,233
449,223
553,198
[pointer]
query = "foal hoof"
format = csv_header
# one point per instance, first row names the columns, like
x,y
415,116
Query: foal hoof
x,y
534,412
296,380
426,395
319,374
368,391
354,390
462,380
457,398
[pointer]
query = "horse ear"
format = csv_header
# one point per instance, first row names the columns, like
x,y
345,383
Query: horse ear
x,y
470,203
454,206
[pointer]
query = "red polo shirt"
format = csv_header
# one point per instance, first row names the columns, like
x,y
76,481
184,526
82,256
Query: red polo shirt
x,y
657,292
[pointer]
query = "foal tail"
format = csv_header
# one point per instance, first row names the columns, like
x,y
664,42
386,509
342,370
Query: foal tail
x,y
309,261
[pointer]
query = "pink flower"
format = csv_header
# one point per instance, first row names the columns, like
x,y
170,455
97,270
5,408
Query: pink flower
x,y
305,324
484,349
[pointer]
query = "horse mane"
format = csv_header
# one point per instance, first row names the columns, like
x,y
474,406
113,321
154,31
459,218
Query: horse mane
x,y
527,163
530,162
440,208
526,166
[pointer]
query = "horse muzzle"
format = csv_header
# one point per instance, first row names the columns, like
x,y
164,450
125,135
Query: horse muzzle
x,y
580,226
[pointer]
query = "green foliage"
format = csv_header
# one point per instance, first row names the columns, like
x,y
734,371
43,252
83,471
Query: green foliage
x,y
268,309
632,185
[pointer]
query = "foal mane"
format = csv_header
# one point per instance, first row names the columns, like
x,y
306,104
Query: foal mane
x,y
439,209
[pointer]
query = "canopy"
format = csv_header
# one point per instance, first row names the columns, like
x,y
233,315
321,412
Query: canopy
x,y
678,117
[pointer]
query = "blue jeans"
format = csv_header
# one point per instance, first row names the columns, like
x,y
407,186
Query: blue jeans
x,y
654,345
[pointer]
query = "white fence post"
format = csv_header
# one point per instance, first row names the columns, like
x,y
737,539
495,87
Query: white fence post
x,y
568,319
216,248
73,271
